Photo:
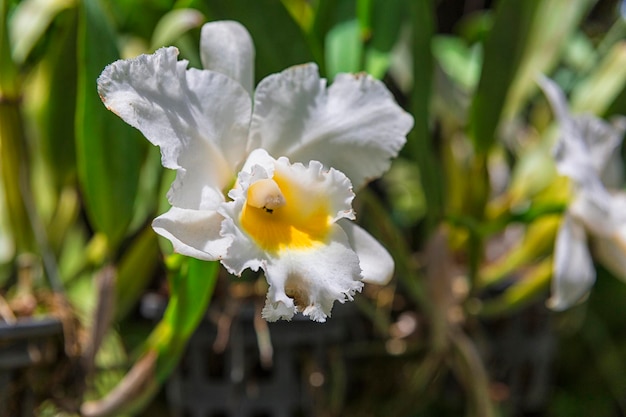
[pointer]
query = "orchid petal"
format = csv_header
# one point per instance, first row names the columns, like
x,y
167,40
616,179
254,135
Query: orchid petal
x,y
593,208
193,233
610,247
574,273
310,281
601,138
226,47
200,136
611,251
586,143
353,121
376,263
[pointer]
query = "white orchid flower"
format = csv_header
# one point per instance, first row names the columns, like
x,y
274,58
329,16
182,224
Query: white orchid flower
x,y
582,152
264,177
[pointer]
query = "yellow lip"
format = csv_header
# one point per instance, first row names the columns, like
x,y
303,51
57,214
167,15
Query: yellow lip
x,y
280,214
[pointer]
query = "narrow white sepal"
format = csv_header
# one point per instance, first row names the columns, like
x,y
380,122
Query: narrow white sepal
x,y
376,263
574,273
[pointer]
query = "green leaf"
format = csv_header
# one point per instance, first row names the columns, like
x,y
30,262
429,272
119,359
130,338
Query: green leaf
x,y
382,33
191,290
419,145
13,155
30,21
109,152
135,270
504,50
9,83
554,24
603,85
460,62
57,133
344,49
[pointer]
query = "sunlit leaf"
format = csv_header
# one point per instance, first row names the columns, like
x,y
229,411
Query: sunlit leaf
x,y
603,85
30,21
555,22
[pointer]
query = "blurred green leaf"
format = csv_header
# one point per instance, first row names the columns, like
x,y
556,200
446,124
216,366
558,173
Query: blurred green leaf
x,y
532,282
191,290
173,24
135,270
109,152
503,52
460,62
57,114
13,150
603,85
579,52
419,145
301,11
387,20
382,34
13,174
344,49
555,21
9,83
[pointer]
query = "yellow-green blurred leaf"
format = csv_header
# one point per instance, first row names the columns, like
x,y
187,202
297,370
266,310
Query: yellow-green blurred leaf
x,y
554,24
598,91
30,21
136,269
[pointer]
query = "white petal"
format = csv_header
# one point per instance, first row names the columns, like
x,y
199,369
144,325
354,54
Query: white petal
x,y
376,263
193,233
601,138
574,273
310,281
315,182
610,248
593,207
611,252
243,252
198,118
586,143
227,47
354,126
555,95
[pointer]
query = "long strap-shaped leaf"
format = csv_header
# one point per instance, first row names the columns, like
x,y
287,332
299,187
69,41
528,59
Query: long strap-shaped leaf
x,y
504,48
108,152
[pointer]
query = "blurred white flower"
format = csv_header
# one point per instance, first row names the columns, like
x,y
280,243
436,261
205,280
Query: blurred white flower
x,y
264,177
583,153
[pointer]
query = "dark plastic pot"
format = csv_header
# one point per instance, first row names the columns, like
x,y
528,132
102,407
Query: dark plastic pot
x,y
25,348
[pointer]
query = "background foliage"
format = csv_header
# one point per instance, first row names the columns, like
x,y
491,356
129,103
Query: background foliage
x,y
469,210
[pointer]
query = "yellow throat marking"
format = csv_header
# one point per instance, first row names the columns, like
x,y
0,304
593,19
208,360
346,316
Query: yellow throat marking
x,y
279,214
